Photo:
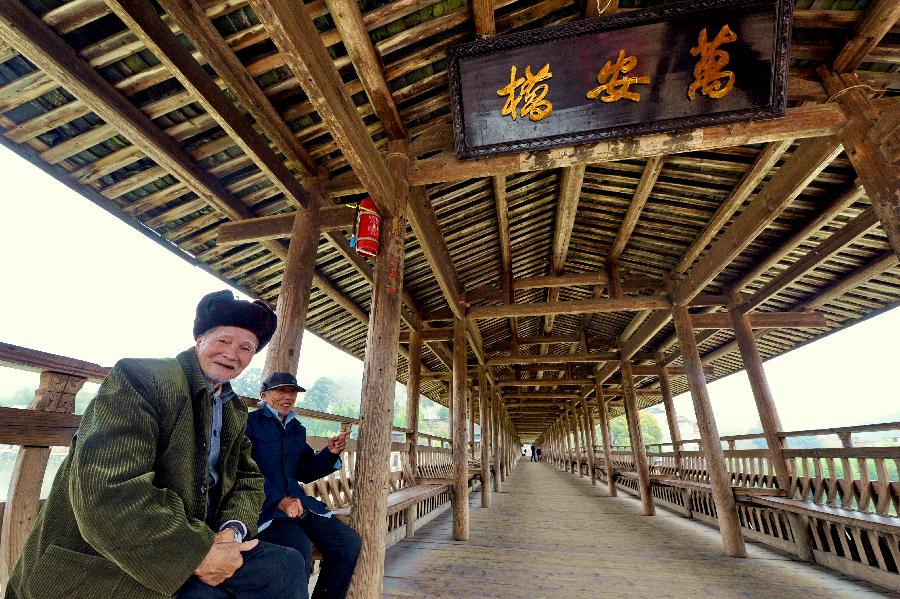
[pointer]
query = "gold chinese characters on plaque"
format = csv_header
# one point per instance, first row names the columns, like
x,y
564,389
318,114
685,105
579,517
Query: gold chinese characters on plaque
x,y
528,90
615,87
709,78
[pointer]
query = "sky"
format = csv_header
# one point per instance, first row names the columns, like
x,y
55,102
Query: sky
x,y
80,283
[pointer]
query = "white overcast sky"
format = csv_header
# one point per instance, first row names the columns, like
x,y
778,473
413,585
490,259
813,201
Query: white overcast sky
x,y
78,282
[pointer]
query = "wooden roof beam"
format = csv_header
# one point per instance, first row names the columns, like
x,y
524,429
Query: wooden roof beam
x,y
765,160
877,21
810,158
541,396
141,18
507,285
600,305
483,15
570,183
348,20
801,122
762,320
291,28
278,226
194,23
531,382
552,359
841,238
651,173
440,334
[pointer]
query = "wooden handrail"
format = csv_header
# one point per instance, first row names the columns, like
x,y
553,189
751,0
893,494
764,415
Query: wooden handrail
x,y
23,358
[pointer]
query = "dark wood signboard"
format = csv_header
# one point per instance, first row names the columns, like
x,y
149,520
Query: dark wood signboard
x,y
677,66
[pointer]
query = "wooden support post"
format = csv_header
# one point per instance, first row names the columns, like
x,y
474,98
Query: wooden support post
x,y
719,480
770,421
56,393
470,412
413,391
567,435
484,412
641,465
671,415
580,441
293,298
590,440
368,514
495,437
603,414
460,461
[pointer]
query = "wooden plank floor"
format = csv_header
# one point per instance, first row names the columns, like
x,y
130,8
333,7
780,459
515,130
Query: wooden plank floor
x,y
551,534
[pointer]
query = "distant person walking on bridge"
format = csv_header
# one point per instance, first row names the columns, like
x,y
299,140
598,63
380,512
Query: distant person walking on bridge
x,y
533,453
159,491
538,454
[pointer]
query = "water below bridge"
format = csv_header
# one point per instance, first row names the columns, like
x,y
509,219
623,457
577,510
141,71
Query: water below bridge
x,y
552,534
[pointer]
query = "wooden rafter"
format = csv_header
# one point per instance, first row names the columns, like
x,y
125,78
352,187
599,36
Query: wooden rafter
x,y
278,226
600,305
651,172
879,18
764,320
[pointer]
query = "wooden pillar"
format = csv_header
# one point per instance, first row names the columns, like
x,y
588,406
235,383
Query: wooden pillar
x,y
671,415
770,421
578,429
568,440
55,393
470,411
603,415
460,461
484,415
641,465
495,438
719,481
413,391
368,514
591,441
283,353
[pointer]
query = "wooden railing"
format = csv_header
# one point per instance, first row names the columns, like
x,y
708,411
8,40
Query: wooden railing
x,y
49,421
849,497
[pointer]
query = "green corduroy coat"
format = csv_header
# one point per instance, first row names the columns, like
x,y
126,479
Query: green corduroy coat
x,y
126,516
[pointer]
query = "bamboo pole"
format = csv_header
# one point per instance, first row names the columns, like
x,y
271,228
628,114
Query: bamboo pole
x,y
460,462
641,465
719,482
770,421
368,514
484,415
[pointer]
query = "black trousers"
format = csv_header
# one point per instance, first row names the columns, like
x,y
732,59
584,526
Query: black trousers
x,y
338,543
269,572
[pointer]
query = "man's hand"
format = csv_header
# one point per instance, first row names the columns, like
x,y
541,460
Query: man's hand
x,y
225,536
291,506
338,443
222,561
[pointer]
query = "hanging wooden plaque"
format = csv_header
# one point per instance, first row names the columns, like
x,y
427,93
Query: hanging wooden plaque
x,y
667,68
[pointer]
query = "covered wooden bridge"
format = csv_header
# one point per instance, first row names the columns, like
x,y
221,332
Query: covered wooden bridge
x,y
538,293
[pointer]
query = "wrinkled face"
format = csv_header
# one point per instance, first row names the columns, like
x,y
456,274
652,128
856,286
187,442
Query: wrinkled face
x,y
224,352
280,399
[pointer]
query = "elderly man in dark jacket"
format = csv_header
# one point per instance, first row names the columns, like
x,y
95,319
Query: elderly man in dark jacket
x,y
289,516
159,490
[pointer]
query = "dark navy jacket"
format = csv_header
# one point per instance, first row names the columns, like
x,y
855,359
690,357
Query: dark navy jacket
x,y
284,458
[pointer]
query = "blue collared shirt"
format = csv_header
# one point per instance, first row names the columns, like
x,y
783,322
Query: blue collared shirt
x,y
226,394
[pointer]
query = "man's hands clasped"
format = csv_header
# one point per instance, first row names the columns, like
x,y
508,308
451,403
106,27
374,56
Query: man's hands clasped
x,y
224,558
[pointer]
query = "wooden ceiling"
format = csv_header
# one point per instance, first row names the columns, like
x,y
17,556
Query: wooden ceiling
x,y
123,102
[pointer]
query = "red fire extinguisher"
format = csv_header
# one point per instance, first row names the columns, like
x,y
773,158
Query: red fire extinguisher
x,y
367,230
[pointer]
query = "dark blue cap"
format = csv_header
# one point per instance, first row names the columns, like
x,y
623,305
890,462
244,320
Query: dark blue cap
x,y
280,379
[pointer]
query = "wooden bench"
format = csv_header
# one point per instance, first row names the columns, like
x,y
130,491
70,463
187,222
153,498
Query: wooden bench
x,y
866,520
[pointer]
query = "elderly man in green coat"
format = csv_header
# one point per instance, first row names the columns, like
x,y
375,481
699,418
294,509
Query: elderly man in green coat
x,y
159,489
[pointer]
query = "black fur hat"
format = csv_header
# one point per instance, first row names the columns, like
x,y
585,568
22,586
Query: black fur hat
x,y
221,308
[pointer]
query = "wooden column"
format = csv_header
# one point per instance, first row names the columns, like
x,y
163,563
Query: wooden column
x,y
368,514
571,441
603,415
495,438
413,391
470,411
671,415
293,297
719,481
484,415
641,465
590,440
55,393
770,421
578,429
460,461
